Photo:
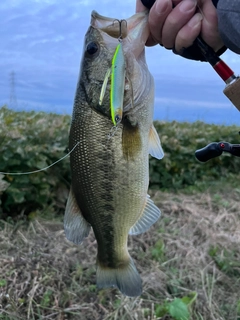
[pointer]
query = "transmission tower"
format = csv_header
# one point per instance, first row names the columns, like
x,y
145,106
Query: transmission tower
x,y
13,97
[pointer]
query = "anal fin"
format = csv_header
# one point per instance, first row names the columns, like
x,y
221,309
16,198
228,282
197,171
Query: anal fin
x,y
149,216
75,226
155,148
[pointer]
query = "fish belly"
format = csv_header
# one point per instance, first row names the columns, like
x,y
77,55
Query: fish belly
x,y
109,181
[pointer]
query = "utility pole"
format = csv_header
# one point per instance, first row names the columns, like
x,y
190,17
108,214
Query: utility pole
x,y
12,97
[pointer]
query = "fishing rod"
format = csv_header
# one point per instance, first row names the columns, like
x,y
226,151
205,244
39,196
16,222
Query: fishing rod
x,y
232,89
215,149
232,92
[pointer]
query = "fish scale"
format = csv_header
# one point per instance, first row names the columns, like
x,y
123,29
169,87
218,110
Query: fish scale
x,y
116,179
110,164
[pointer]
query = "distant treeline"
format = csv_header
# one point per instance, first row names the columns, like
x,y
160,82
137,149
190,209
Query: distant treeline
x,y
30,141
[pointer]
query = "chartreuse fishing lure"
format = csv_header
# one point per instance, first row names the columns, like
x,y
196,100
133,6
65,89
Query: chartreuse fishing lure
x,y
117,72
117,85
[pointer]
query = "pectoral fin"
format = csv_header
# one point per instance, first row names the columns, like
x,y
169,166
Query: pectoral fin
x,y
75,226
155,148
149,216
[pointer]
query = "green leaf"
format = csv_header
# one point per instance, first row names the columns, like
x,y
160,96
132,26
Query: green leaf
x,y
190,298
3,282
161,309
178,310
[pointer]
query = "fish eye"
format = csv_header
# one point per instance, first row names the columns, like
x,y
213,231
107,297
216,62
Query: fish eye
x,y
92,48
117,119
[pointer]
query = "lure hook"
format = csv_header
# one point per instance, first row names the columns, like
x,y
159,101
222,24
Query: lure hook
x,y
120,38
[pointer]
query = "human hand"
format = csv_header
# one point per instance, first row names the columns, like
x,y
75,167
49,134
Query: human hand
x,y
177,23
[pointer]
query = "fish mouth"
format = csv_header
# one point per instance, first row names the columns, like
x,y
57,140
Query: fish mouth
x,y
134,30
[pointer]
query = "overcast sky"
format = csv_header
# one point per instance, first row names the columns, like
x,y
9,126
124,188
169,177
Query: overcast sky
x,y
41,42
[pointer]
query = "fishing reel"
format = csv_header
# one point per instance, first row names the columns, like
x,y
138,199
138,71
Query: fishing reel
x,y
215,149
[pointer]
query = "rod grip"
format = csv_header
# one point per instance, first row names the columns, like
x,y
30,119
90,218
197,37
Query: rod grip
x,y
232,91
210,151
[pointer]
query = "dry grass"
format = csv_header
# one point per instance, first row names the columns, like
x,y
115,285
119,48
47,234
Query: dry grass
x,y
193,247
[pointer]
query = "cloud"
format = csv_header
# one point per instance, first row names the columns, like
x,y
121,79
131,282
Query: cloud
x,y
190,103
41,40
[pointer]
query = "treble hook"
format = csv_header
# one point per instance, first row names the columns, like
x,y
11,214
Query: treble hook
x,y
120,38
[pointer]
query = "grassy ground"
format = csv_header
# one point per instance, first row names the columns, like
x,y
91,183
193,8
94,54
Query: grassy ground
x,y
192,253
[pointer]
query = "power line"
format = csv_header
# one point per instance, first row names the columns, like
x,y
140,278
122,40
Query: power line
x,y
12,97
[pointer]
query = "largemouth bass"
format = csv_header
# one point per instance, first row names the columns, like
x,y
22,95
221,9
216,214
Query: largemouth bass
x,y
109,164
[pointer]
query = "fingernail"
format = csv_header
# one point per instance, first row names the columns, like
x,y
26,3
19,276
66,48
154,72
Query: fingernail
x,y
162,6
187,5
195,20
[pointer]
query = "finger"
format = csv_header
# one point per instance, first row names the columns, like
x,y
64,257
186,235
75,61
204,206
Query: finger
x,y
188,33
176,2
157,16
210,25
179,16
139,6
151,41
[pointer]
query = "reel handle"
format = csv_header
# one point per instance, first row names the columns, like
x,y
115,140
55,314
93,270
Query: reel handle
x,y
215,149
211,151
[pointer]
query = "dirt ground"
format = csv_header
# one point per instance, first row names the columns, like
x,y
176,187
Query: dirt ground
x,y
193,248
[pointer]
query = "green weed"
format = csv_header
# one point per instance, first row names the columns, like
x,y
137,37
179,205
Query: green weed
x,y
158,251
29,143
226,261
178,308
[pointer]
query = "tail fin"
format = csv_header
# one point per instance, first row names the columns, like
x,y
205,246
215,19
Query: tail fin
x,y
126,279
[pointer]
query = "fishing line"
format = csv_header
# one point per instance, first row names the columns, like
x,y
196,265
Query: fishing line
x,y
43,169
112,131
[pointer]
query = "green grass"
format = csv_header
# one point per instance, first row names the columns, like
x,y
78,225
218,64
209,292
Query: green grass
x,y
32,141
189,260
189,263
